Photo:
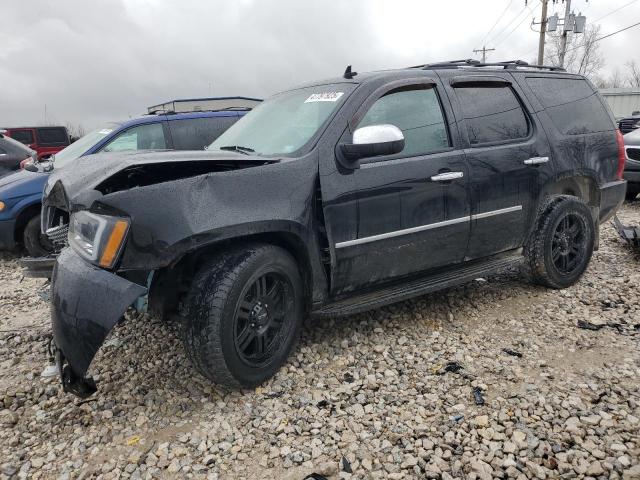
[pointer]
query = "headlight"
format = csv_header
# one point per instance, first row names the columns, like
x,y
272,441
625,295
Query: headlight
x,y
98,238
2,206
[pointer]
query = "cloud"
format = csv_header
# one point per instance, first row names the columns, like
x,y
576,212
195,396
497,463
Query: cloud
x,y
91,62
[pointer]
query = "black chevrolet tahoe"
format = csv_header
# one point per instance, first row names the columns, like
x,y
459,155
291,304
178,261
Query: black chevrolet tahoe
x,y
334,198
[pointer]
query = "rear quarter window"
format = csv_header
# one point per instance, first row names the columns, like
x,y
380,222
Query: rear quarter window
x,y
52,137
574,107
197,133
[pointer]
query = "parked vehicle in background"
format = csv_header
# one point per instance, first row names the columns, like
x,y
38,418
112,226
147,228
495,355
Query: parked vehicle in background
x,y
629,124
21,192
632,163
44,140
331,199
12,153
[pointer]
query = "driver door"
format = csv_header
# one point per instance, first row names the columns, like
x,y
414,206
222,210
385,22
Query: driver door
x,y
412,207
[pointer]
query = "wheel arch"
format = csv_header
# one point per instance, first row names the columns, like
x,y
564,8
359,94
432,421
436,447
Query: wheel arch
x,y
171,282
26,213
582,186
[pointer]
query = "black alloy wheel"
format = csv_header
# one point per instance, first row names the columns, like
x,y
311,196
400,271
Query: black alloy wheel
x,y
262,315
569,244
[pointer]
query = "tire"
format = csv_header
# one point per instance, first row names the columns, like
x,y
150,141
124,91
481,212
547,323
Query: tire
x,y
227,299
561,246
631,194
36,243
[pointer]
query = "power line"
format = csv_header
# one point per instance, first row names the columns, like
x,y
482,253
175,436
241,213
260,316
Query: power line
x,y
616,10
509,24
606,36
497,21
517,26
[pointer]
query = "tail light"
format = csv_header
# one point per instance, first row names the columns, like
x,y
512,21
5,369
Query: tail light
x,y
621,155
24,162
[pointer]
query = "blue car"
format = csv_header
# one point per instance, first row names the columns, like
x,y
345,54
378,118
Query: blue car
x,y
21,192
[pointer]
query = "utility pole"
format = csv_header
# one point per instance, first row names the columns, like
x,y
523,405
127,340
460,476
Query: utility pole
x,y
565,32
543,30
484,51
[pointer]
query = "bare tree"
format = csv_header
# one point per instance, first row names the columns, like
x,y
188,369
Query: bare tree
x,y
633,74
583,53
615,80
75,130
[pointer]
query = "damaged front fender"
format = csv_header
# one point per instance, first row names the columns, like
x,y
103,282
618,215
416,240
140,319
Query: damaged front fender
x,y
86,303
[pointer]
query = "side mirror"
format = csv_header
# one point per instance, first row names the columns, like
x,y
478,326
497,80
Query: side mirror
x,y
373,141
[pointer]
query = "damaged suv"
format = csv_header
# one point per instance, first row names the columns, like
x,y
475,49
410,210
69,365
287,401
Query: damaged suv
x,y
331,199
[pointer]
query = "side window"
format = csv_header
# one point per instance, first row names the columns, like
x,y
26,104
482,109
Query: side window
x,y
197,133
142,137
52,136
492,113
572,104
417,112
23,136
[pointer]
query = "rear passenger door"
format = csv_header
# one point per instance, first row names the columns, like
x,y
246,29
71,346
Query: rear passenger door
x,y
508,157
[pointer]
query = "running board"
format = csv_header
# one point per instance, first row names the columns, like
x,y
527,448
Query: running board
x,y
417,287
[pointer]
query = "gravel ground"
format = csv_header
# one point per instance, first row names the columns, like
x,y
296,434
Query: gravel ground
x,y
386,394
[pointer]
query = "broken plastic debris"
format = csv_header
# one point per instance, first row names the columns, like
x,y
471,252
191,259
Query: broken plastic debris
x,y
348,378
588,325
315,476
457,418
480,279
513,353
477,394
49,371
346,465
453,367
133,440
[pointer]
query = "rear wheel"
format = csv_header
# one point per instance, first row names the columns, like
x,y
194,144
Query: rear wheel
x,y
36,243
632,193
243,315
560,248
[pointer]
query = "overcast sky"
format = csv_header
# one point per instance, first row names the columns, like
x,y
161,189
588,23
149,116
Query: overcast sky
x,y
100,60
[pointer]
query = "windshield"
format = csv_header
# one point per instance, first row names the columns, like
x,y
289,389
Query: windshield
x,y
79,147
284,123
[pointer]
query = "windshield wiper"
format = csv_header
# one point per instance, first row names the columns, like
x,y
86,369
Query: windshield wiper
x,y
237,148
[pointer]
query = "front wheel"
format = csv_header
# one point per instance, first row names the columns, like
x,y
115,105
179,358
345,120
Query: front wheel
x,y
36,243
560,248
243,315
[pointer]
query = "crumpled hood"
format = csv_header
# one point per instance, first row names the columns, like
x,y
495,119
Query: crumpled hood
x,y
88,172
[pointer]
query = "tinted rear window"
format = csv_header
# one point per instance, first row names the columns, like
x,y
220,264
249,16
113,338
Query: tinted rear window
x,y
572,104
52,137
23,136
197,133
493,114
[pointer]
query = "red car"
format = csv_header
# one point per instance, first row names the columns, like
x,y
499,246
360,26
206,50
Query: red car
x,y
44,140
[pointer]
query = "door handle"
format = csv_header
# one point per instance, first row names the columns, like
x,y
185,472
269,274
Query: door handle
x,y
536,160
446,176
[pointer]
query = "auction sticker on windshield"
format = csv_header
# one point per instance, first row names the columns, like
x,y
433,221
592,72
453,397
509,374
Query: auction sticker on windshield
x,y
324,97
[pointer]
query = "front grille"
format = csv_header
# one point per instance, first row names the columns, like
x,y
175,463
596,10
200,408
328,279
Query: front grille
x,y
633,153
58,235
55,224
627,126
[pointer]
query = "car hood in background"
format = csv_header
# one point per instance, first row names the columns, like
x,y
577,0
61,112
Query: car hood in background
x,y
21,183
632,138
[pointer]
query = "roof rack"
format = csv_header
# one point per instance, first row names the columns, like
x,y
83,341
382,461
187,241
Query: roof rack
x,y
470,62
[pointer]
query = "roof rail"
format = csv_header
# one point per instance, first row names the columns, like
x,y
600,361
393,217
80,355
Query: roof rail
x,y
507,65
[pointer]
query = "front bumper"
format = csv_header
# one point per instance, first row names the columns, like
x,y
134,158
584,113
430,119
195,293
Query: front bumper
x,y
632,176
40,267
611,198
86,303
7,234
